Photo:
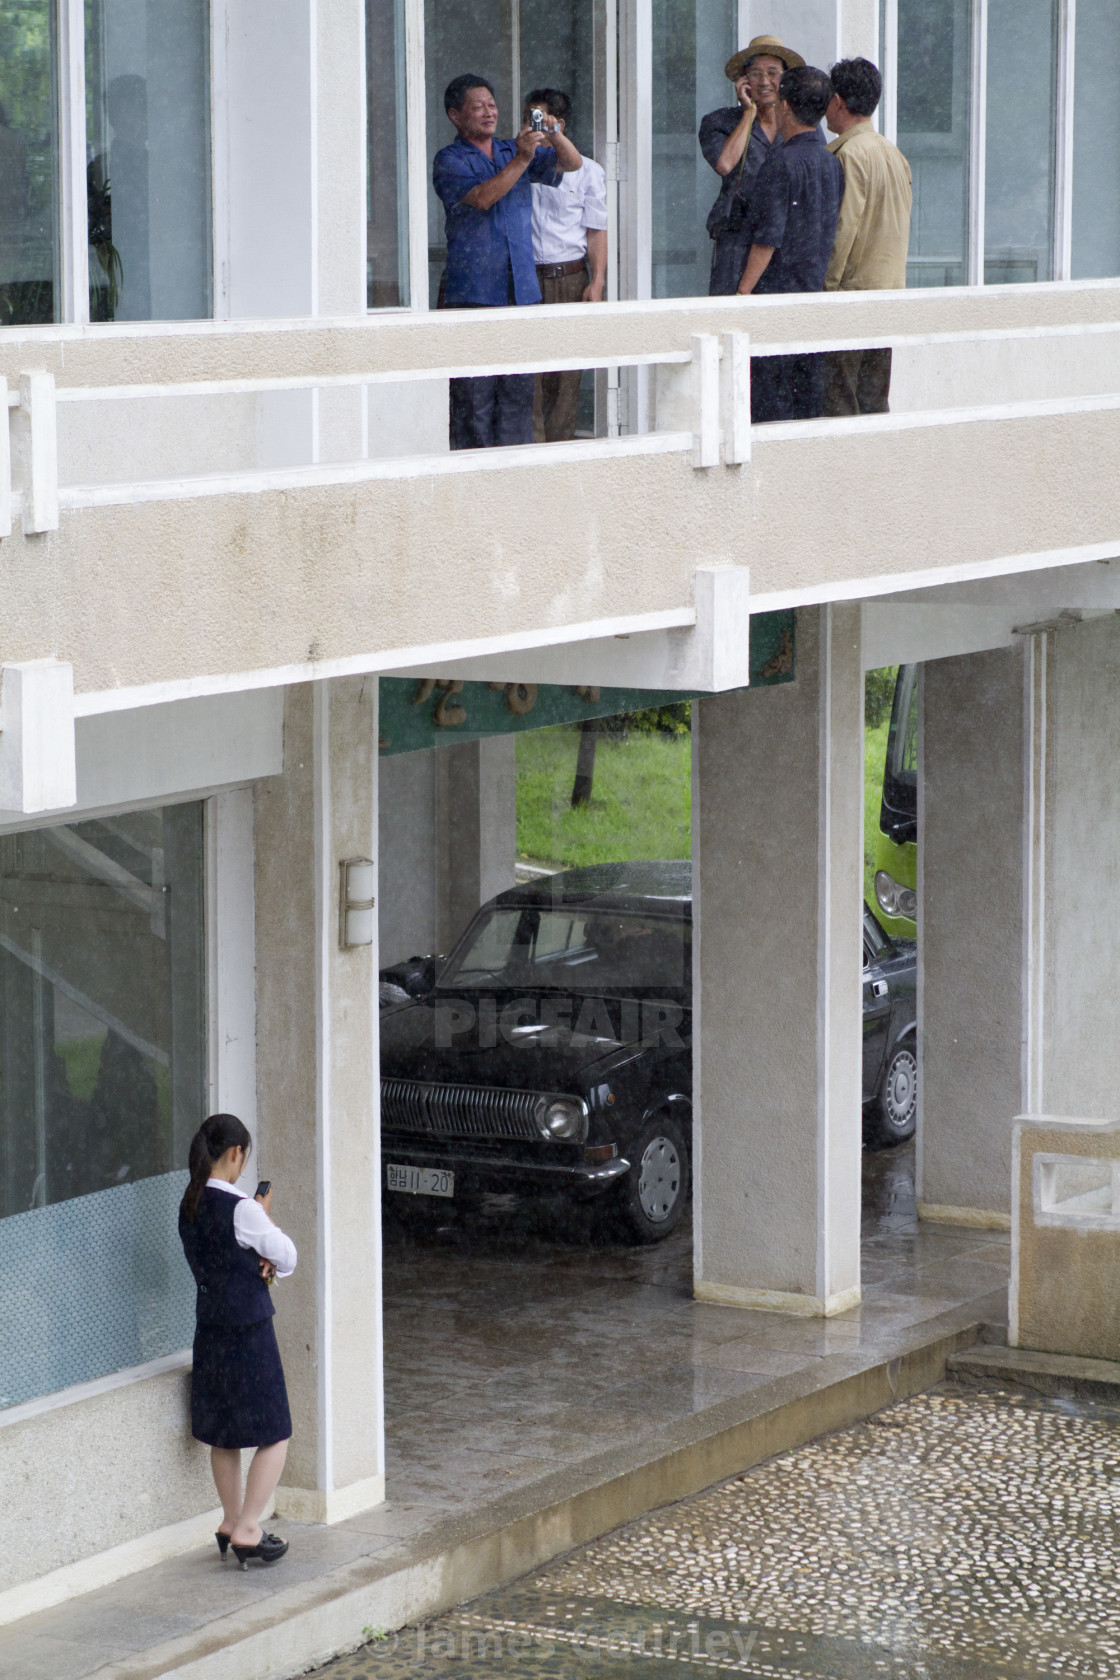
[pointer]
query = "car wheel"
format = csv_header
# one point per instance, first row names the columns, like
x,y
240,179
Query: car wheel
x,y
895,1113
654,1194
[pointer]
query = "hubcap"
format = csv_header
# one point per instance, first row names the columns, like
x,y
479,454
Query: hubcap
x,y
659,1179
900,1092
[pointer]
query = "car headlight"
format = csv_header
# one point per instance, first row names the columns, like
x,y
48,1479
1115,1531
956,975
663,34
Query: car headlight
x,y
563,1118
894,899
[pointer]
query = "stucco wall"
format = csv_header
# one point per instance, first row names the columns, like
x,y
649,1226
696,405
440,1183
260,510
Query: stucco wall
x,y
82,1478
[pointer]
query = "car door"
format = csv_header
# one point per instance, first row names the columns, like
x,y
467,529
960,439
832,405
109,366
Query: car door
x,y
876,1003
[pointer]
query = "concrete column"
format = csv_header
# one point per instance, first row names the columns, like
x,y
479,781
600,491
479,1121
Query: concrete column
x,y
448,841
777,824
1073,831
317,1081
971,933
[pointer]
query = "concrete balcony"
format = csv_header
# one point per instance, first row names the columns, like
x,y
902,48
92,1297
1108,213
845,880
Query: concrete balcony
x,y
201,508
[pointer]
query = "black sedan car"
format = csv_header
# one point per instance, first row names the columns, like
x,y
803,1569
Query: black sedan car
x,y
553,1052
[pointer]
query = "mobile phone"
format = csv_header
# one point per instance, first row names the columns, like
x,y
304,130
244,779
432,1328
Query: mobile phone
x,y
263,1187
536,120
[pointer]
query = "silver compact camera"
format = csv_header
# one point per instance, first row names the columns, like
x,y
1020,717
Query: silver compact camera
x,y
536,120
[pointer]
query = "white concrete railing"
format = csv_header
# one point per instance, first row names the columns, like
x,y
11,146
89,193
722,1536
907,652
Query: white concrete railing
x,y
944,373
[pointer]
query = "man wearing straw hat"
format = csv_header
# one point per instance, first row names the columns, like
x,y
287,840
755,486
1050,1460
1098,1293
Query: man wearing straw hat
x,y
736,141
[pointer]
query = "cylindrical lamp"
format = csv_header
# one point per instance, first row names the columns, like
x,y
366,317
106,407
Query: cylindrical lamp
x,y
358,879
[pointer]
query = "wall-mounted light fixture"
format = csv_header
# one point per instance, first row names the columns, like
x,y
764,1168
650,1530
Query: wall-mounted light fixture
x,y
357,880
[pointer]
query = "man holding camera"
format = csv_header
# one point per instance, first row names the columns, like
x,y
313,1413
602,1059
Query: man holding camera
x,y
570,247
484,185
872,234
792,225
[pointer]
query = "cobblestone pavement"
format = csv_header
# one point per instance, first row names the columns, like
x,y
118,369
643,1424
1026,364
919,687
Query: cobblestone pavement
x,y
965,1534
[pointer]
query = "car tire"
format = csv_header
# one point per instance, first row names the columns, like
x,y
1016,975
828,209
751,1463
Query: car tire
x,y
651,1199
894,1114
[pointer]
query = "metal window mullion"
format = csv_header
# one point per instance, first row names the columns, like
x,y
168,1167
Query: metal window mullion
x,y
1063,138
74,253
636,201
888,49
416,116
978,150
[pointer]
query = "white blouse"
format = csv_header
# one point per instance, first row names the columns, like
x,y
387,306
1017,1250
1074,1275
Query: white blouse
x,y
254,1229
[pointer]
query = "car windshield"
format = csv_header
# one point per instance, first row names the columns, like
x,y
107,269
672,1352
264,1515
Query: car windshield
x,y
569,949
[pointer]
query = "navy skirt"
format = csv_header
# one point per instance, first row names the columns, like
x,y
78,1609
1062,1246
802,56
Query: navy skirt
x,y
238,1394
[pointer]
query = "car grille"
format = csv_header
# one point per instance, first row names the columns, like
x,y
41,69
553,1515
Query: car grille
x,y
413,1105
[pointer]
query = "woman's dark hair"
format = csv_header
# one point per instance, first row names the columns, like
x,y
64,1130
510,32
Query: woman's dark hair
x,y
457,91
808,92
208,1145
859,85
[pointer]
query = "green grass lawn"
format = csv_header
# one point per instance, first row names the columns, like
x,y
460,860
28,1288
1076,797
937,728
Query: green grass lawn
x,y
641,806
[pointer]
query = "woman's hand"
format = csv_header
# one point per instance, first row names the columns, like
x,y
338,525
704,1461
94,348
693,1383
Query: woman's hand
x,y
265,1200
266,1269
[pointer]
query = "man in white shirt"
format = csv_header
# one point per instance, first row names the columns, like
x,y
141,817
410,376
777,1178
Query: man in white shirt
x,y
570,250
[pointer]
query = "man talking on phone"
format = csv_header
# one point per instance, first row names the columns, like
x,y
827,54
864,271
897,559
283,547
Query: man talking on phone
x,y
484,185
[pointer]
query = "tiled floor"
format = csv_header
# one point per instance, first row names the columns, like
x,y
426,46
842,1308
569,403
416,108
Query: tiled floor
x,y
518,1347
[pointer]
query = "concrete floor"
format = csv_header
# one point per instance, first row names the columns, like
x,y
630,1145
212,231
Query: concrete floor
x,y
519,1342
526,1356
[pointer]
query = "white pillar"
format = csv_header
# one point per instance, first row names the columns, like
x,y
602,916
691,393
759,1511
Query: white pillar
x,y
317,1071
971,906
448,841
777,865
1073,999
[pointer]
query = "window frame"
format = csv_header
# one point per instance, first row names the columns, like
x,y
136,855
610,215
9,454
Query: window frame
x,y
1062,206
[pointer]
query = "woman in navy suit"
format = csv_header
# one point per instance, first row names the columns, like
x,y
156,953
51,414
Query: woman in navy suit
x,y
238,1395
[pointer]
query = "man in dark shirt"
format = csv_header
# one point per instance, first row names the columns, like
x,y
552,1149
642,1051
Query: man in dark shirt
x,y
736,141
792,223
484,184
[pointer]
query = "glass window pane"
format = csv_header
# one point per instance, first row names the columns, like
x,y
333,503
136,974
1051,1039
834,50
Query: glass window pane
x,y
387,162
101,1088
28,221
1019,176
934,98
463,36
148,144
1096,157
692,41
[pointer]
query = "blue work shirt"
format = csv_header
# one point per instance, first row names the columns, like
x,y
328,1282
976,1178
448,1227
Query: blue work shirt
x,y
794,207
485,246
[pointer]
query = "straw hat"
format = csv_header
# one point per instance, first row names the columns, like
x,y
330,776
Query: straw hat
x,y
763,46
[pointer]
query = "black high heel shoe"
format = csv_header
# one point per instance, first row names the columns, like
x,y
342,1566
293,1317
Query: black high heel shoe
x,y
268,1548
223,1543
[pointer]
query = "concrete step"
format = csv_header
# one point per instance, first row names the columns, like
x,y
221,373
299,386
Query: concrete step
x,y
1060,1374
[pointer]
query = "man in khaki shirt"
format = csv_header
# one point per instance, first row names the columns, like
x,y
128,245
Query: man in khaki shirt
x,y
872,234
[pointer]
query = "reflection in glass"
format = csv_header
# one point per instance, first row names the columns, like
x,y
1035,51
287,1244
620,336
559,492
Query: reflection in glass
x,y
692,41
148,143
1096,158
934,98
1020,140
28,221
101,1088
386,157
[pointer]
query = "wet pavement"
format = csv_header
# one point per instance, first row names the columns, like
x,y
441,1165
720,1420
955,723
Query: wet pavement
x,y
963,1534
525,1337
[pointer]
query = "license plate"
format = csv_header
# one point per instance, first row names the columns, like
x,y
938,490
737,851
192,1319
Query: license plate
x,y
420,1181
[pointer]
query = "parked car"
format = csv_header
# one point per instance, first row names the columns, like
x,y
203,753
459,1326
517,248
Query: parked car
x,y
552,1050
